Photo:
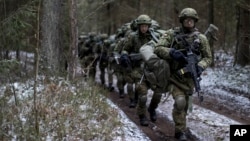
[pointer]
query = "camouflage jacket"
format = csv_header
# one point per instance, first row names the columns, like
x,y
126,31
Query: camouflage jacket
x,y
133,44
169,40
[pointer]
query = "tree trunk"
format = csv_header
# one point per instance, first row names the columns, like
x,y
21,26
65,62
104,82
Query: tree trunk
x,y
51,35
73,40
211,21
243,32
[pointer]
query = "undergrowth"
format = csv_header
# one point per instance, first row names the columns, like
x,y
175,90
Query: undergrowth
x,y
66,111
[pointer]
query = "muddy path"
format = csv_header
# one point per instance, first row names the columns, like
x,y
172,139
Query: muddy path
x,y
161,130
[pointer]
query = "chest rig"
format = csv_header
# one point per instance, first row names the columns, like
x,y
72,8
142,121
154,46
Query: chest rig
x,y
192,40
184,43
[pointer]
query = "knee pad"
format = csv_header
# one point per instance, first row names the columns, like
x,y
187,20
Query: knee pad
x,y
180,102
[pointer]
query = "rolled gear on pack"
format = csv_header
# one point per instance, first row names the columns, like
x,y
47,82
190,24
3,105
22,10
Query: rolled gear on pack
x,y
157,71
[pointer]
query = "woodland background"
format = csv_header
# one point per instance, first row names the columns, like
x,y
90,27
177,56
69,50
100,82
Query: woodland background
x,y
52,27
41,36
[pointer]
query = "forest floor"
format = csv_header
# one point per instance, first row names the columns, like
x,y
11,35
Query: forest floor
x,y
226,101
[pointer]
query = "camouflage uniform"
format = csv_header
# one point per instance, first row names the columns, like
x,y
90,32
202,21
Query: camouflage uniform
x,y
181,86
86,55
101,49
118,70
110,45
121,35
132,45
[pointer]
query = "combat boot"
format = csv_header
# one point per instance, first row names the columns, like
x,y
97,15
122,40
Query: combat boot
x,y
121,93
132,103
181,136
152,114
143,120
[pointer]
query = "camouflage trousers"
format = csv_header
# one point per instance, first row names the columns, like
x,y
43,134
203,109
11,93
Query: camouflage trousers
x,y
102,65
141,91
120,74
131,78
89,64
179,115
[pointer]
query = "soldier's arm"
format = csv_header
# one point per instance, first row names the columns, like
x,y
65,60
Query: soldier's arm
x,y
162,48
119,46
206,54
128,44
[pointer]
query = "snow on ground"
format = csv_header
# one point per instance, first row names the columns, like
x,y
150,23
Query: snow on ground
x,y
130,129
206,124
220,83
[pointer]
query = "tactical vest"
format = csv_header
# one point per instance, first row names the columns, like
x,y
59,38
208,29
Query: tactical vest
x,y
192,39
138,41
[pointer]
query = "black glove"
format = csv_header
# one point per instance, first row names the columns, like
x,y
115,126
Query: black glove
x,y
199,70
177,55
125,61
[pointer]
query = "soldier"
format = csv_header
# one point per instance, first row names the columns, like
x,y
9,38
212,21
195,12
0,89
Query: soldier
x,y
101,50
134,66
118,70
110,45
86,55
175,46
121,35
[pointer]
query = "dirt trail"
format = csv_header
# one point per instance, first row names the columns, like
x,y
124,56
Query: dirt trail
x,y
161,130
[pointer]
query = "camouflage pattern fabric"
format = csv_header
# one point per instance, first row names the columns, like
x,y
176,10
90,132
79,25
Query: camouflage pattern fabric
x,y
132,45
182,85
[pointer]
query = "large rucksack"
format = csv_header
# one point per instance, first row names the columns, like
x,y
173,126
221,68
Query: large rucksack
x,y
156,71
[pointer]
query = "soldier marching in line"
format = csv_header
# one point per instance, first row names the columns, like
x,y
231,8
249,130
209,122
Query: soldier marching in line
x,y
185,52
86,55
134,68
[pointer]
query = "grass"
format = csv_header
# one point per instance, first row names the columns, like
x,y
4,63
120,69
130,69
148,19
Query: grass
x,y
66,111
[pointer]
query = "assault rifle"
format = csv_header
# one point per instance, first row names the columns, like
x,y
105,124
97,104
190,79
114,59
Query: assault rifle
x,y
192,62
132,57
192,59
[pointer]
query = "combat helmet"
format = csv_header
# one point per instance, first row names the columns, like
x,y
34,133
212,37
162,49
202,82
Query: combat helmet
x,y
188,13
143,19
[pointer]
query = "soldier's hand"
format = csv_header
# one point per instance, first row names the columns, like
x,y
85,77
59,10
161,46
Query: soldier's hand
x,y
177,55
125,61
199,70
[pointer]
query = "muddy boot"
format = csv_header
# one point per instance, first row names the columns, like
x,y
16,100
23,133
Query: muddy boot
x,y
143,120
121,93
181,136
132,103
152,114
111,88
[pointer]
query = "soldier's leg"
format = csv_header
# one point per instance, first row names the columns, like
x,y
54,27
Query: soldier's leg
x,y
92,68
110,77
102,75
131,95
156,98
130,81
179,111
120,83
142,91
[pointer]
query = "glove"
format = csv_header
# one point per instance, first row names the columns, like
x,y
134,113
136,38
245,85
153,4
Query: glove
x,y
125,61
177,55
199,70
